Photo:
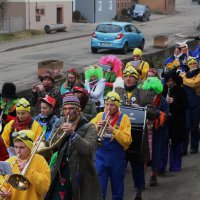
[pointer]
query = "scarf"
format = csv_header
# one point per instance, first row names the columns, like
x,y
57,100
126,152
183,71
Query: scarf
x,y
192,73
22,125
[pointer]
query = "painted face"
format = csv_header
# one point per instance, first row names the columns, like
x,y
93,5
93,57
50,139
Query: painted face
x,y
111,107
130,80
71,77
72,111
136,57
21,149
46,109
22,115
47,83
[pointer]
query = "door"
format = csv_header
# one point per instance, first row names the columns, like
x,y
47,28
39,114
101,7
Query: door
x,y
60,15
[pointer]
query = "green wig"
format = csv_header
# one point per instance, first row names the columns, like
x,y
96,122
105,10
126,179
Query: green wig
x,y
93,70
153,83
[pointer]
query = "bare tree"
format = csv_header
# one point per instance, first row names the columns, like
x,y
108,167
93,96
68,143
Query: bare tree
x,y
3,10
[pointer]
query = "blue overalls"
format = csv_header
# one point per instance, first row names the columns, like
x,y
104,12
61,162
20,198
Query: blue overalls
x,y
111,163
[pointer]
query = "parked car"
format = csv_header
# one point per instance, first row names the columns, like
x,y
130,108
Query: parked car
x,y
117,35
140,12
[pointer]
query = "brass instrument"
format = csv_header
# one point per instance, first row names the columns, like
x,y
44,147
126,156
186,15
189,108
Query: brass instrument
x,y
101,133
54,141
19,181
7,175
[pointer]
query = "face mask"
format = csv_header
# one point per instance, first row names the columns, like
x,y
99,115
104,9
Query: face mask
x,y
135,63
106,68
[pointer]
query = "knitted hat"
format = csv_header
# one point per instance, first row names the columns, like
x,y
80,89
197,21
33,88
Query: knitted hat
x,y
9,90
47,75
137,51
70,99
49,100
93,70
131,71
23,105
153,83
26,136
114,98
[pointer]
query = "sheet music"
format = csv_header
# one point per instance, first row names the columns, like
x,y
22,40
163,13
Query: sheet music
x,y
5,168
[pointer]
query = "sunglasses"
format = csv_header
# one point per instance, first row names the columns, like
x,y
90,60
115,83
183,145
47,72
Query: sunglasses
x,y
25,105
136,55
112,98
23,136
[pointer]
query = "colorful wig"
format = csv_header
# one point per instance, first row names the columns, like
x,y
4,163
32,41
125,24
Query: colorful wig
x,y
153,83
116,63
93,70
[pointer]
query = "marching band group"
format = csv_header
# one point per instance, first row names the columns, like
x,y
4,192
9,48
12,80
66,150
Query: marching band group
x,y
67,143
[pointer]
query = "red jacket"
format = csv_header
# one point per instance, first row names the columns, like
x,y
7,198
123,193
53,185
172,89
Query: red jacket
x,y
4,154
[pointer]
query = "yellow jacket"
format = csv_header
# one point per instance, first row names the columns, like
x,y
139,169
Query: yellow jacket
x,y
193,82
38,174
122,134
36,128
144,67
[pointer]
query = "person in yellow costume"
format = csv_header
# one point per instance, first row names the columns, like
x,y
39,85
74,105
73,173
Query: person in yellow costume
x,y
139,64
21,122
110,156
38,172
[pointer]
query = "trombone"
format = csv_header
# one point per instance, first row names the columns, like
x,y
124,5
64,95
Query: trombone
x,y
19,181
102,132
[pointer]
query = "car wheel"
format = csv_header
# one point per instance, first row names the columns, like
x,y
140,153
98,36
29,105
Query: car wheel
x,y
125,48
94,50
141,46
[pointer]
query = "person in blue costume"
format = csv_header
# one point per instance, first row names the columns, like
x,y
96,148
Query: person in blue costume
x,y
47,117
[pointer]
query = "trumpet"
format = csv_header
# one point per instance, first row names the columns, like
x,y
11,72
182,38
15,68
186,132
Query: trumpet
x,y
101,133
19,181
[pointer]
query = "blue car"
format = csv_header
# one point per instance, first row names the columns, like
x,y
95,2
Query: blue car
x,y
117,36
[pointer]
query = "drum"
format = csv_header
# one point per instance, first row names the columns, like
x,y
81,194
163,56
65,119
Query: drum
x,y
137,116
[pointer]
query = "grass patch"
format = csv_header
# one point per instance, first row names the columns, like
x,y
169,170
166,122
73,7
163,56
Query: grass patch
x,y
20,35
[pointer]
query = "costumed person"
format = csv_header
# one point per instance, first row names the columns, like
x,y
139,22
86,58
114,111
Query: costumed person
x,y
8,99
88,107
4,153
72,77
112,67
139,64
46,117
95,85
110,156
21,122
196,52
138,152
73,174
159,130
38,172
191,84
46,88
177,100
175,62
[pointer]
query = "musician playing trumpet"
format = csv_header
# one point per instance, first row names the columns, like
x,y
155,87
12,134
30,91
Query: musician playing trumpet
x,y
73,174
38,172
110,156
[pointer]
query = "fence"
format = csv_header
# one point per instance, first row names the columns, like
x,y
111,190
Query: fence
x,y
12,24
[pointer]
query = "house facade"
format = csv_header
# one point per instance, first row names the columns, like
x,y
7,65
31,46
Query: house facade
x,y
96,10
38,13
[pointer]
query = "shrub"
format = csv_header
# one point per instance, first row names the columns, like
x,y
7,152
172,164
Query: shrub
x,y
76,15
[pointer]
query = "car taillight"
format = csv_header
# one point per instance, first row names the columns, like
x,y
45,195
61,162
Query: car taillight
x,y
120,36
94,35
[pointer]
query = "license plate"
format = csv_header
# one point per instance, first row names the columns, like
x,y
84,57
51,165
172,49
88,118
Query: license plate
x,y
104,44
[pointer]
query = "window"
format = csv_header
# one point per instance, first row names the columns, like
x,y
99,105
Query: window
x,y
110,5
100,6
37,18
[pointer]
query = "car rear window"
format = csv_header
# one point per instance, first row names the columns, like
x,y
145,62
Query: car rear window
x,y
108,28
139,7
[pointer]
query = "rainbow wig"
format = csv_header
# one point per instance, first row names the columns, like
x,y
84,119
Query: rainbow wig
x,y
153,83
116,62
93,70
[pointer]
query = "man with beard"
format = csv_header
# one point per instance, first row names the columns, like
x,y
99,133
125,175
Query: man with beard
x,y
46,88
73,174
